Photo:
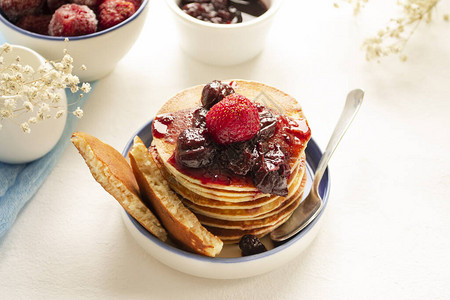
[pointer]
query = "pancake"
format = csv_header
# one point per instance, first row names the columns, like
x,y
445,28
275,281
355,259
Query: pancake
x,y
256,223
112,171
181,223
244,214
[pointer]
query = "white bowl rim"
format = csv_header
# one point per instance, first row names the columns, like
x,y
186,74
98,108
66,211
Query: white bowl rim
x,y
74,38
271,11
230,260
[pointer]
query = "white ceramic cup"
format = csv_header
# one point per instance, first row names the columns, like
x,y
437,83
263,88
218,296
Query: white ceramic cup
x,y
17,146
223,44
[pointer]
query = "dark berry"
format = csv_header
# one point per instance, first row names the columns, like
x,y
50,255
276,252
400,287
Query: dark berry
x,y
271,172
250,245
195,148
198,117
214,92
90,3
37,24
268,124
14,9
239,158
55,4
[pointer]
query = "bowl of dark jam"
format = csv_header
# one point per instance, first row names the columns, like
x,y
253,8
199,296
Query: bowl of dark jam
x,y
223,32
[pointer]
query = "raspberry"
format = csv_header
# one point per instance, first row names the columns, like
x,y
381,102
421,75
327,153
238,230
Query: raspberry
x,y
14,9
113,12
37,24
234,119
72,20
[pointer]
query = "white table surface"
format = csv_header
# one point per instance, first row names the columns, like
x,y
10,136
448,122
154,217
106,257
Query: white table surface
x,y
387,228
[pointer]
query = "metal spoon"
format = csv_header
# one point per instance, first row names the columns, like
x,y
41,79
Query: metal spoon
x,y
310,208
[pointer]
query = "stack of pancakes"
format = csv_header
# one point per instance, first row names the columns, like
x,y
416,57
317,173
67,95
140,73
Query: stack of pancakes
x,y
231,210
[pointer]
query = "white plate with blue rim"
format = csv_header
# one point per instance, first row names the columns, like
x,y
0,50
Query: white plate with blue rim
x,y
230,264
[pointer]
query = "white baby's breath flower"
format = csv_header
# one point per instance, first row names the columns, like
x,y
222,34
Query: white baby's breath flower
x,y
59,114
28,70
6,47
83,68
74,88
5,114
25,127
86,87
40,116
392,39
28,105
39,88
44,107
10,103
78,112
56,98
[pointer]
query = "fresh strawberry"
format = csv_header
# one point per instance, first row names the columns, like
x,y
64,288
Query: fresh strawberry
x,y
113,12
234,119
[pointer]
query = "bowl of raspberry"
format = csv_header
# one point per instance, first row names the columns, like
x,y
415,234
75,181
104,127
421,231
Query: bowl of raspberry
x,y
91,26
223,32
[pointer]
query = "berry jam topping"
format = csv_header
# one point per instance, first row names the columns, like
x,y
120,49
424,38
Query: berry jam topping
x,y
194,148
272,171
73,20
234,119
268,123
213,11
214,92
250,245
263,160
223,11
239,158
199,117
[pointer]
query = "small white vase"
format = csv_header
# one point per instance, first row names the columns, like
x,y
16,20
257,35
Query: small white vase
x,y
17,146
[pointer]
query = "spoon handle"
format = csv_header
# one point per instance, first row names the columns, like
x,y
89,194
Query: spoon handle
x,y
352,105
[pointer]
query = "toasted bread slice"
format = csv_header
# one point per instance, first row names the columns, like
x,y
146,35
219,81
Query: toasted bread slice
x,y
179,221
114,174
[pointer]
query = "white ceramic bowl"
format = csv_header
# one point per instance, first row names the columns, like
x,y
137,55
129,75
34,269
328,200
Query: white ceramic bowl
x,y
17,146
223,44
230,264
99,51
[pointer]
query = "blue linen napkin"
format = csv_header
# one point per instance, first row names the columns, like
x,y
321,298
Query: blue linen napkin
x,y
19,182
